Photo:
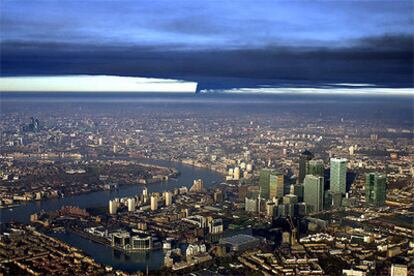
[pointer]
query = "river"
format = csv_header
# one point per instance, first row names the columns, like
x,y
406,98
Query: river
x,y
105,254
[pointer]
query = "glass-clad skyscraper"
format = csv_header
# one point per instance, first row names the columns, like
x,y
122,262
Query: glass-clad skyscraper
x,y
276,185
313,193
338,175
375,189
264,186
304,158
271,184
316,167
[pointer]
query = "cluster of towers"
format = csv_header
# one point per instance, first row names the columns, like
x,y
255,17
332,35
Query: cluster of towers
x,y
318,198
33,126
241,170
278,196
144,201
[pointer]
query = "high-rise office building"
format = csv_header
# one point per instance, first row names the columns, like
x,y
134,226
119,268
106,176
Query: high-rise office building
x,y
316,167
242,192
113,207
264,186
276,185
297,190
375,189
131,204
301,209
250,205
270,208
313,192
236,173
218,196
336,199
168,198
282,210
145,197
154,203
290,199
338,175
327,200
304,158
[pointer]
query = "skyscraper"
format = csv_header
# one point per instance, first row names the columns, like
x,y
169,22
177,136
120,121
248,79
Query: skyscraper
x,y
290,199
218,196
304,158
167,198
316,168
154,203
113,207
327,200
375,189
250,204
264,186
338,175
236,173
336,199
313,192
131,204
270,208
242,192
198,186
276,185
145,194
297,189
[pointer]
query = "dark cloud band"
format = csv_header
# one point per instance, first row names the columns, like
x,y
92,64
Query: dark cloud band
x,y
385,60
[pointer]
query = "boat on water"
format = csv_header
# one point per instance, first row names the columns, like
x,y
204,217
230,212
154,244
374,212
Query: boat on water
x,y
10,207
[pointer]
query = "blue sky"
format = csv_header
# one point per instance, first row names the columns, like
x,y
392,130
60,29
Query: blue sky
x,y
195,24
186,38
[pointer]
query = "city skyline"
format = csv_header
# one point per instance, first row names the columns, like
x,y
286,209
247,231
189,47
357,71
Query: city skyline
x,y
207,137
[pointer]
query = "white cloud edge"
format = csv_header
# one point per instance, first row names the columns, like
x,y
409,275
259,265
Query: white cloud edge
x,y
95,83
114,83
312,90
350,84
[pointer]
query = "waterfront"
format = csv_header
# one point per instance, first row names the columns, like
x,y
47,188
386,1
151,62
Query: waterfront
x,y
131,262
101,198
105,254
